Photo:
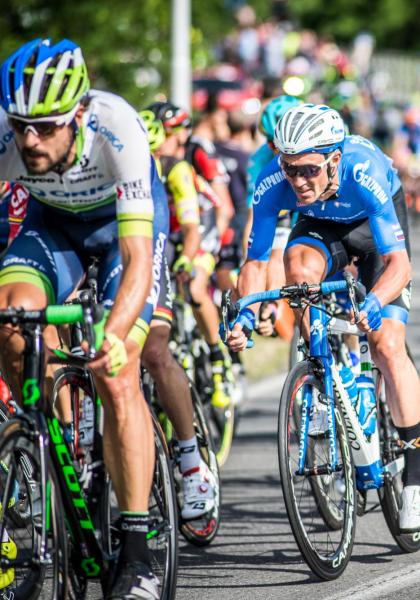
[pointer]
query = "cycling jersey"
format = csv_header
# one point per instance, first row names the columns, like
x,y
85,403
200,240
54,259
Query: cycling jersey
x,y
111,191
201,154
191,200
256,164
367,183
235,161
113,161
4,216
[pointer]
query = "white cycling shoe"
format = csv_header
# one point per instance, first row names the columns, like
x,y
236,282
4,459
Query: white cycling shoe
x,y
410,511
199,492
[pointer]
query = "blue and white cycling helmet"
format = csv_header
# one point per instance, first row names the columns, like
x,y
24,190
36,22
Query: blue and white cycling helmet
x,y
41,80
274,111
310,128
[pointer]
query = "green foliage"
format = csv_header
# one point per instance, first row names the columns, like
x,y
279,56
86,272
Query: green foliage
x,y
127,42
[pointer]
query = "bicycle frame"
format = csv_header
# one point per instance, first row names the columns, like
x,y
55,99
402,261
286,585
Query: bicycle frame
x,y
47,435
365,451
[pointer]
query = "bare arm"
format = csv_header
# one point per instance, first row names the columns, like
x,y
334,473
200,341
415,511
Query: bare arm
x,y
396,275
394,278
252,278
136,282
192,240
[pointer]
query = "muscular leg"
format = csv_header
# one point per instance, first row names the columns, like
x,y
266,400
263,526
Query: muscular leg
x,y
206,314
128,434
170,379
401,378
24,295
304,264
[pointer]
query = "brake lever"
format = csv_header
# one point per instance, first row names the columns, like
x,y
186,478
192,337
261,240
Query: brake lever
x,y
226,302
352,294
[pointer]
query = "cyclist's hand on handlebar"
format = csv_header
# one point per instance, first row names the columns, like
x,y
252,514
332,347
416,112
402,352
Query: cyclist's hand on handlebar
x,y
241,331
183,269
110,358
268,315
370,318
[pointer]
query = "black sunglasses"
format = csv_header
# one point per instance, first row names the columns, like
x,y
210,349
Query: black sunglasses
x,y
42,129
306,171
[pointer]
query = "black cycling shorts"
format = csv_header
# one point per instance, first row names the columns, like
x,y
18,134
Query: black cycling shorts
x,y
347,241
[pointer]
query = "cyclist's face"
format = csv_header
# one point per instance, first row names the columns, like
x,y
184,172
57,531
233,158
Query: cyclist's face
x,y
307,174
42,150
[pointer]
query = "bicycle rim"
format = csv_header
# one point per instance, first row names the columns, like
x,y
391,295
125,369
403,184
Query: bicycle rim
x,y
321,508
163,533
22,493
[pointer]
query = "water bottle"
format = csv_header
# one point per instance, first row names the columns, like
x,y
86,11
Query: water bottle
x,y
86,422
366,404
349,382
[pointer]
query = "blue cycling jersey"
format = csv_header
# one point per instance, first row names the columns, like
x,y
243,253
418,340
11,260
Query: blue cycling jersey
x,y
367,183
256,164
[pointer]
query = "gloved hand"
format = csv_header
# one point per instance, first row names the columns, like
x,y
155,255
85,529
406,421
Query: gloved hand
x,y
116,353
372,307
241,328
182,263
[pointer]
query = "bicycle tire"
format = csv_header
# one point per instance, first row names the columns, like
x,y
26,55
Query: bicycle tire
x,y
390,493
221,421
202,531
326,550
163,527
32,580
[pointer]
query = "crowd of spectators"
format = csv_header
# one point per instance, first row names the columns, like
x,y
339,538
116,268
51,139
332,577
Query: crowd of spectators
x,y
283,58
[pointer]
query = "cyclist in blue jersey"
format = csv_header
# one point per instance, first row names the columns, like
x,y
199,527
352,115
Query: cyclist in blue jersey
x,y
351,205
270,116
83,155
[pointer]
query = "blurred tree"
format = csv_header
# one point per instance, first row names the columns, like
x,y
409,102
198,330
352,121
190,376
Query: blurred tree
x,y
127,42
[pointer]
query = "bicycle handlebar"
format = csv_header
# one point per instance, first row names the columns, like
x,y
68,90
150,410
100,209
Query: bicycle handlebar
x,y
88,313
355,290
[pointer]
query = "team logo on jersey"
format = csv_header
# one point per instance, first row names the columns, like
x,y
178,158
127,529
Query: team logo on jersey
x,y
18,202
266,184
358,139
133,190
93,122
368,182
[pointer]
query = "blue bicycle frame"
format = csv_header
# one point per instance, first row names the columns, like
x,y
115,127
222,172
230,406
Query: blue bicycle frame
x,y
365,451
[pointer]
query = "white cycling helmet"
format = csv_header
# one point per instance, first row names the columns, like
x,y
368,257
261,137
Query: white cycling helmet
x,y
309,128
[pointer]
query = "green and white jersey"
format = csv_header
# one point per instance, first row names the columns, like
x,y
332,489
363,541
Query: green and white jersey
x,y
112,173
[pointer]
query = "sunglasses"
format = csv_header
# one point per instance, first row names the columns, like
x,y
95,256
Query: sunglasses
x,y
42,129
306,171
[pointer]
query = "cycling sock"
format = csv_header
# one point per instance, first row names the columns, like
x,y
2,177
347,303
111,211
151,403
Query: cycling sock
x,y
134,528
190,455
410,441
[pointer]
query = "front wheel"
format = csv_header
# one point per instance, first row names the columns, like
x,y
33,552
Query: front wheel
x,y
37,546
321,507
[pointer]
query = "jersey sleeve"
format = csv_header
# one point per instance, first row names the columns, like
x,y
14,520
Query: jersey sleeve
x,y
377,195
180,182
129,160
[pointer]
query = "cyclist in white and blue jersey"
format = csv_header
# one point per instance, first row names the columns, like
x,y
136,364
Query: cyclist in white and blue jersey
x,y
84,157
351,205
